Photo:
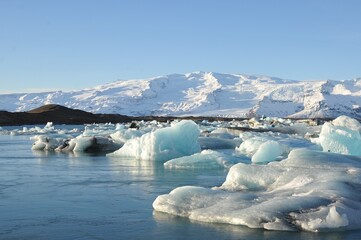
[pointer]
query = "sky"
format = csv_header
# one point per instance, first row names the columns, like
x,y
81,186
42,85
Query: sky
x,y
74,44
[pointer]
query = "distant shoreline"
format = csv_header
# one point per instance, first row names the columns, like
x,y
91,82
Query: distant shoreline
x,y
62,115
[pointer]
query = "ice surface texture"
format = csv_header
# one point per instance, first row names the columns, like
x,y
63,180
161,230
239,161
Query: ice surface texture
x,y
310,190
342,135
206,159
178,140
270,146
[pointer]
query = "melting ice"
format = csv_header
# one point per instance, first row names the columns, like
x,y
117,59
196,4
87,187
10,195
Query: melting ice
x,y
178,140
309,190
282,175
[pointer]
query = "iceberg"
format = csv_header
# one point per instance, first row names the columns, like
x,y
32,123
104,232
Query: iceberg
x,y
270,146
342,135
89,144
178,140
310,190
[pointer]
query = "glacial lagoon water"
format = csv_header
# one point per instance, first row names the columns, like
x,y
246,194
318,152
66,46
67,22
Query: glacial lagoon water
x,y
79,196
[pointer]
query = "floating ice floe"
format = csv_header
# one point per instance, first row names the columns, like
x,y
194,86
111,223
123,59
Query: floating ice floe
x,y
46,143
342,135
163,144
310,190
90,144
269,146
49,128
206,159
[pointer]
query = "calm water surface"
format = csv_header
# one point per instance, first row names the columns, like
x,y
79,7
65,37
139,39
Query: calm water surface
x,y
68,196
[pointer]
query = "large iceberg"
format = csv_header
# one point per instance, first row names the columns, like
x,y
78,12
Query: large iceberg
x,y
342,135
178,140
310,190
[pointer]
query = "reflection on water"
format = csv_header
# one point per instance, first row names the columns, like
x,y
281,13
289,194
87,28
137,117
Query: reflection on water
x,y
134,167
227,231
50,195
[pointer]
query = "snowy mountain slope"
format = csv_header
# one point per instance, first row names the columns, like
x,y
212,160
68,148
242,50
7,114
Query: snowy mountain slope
x,y
206,94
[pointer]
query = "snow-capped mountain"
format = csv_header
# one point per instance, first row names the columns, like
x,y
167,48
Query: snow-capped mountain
x,y
205,94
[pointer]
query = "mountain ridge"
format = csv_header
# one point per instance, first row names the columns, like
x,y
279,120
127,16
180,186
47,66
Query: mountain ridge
x,y
205,94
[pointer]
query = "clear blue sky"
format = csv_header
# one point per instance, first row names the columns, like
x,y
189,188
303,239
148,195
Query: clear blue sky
x,y
73,44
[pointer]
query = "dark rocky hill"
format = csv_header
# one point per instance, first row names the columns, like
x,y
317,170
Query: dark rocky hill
x,y
58,115
62,115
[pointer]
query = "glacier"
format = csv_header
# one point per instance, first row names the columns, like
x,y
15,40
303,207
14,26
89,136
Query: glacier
x,y
205,94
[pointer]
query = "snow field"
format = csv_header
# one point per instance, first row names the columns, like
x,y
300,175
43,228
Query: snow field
x,y
205,94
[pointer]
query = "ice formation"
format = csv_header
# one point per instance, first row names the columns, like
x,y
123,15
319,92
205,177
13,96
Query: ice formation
x,y
342,135
268,151
180,139
94,138
270,146
310,190
123,135
305,189
49,128
93,144
46,143
206,159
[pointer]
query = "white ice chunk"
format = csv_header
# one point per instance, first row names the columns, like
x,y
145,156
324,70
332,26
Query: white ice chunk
x,y
123,135
342,135
164,144
332,220
268,151
267,147
205,159
347,122
46,143
250,177
94,144
49,126
310,190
